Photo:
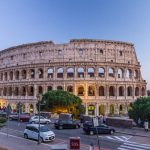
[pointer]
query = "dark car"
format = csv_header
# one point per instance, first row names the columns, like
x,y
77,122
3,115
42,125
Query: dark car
x,y
88,128
66,124
24,117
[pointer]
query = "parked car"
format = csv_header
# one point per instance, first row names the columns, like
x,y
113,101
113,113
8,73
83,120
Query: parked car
x,y
88,128
66,124
13,116
46,115
24,117
32,131
35,119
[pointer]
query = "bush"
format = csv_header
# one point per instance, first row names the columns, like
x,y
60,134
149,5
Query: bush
x,y
2,120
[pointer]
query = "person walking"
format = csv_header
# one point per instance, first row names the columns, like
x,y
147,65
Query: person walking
x,y
146,125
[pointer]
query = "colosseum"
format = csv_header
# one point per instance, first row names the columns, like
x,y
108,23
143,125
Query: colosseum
x,y
105,74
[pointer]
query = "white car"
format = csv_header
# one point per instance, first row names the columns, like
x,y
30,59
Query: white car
x,y
32,131
35,119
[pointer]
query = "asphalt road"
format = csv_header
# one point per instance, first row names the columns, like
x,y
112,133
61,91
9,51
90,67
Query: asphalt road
x,y
107,142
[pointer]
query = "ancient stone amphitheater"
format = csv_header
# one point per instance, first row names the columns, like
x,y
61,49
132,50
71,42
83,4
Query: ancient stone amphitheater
x,y
105,74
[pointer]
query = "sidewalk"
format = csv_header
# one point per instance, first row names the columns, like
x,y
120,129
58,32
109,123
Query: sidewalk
x,y
135,131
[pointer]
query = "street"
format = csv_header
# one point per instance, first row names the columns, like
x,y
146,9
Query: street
x,y
108,142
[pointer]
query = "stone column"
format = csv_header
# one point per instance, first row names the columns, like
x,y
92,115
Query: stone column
x,y
97,109
116,109
86,110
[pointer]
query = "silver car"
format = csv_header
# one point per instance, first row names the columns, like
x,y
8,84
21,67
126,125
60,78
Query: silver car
x,y
32,131
35,119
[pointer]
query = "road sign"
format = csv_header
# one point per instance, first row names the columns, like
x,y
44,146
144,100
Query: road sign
x,y
74,143
95,121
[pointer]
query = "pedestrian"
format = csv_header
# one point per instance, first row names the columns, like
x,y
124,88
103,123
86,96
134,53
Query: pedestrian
x,y
139,122
146,125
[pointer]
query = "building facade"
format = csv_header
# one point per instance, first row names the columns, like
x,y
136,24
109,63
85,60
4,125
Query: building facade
x,y
105,74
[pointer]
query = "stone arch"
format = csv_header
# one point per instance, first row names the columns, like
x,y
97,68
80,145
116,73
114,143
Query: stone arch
x,y
102,110
32,73
70,88
101,72
91,109
40,90
60,72
10,91
90,72
5,76
136,74
24,74
40,72
1,76
70,73
129,91
137,92
59,87
31,91
121,91
121,109
91,90
112,109
4,91
129,73
81,91
80,72
120,73
17,75
11,75
111,91
111,72
31,108
50,72
49,88
16,91
143,91
23,91
101,91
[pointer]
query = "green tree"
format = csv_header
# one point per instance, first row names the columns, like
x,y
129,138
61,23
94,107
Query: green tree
x,y
56,99
140,109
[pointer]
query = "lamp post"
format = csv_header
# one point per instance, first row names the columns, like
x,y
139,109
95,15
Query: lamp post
x,y
39,106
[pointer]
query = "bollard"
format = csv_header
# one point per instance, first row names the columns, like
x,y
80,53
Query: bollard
x,y
91,146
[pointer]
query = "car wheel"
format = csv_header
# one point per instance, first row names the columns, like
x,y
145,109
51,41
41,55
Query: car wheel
x,y
91,133
60,127
25,136
111,131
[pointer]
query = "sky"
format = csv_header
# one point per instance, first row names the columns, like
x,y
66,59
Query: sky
x,y
27,21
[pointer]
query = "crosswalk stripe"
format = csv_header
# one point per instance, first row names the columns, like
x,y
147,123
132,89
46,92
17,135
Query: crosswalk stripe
x,y
120,148
126,138
131,147
138,143
140,146
109,137
119,138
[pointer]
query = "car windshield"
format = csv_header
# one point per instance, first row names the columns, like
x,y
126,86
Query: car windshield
x,y
44,129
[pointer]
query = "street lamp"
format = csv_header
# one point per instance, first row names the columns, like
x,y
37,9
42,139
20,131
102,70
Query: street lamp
x,y
39,97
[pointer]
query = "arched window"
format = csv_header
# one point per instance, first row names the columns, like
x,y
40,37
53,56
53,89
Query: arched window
x,y
49,88
10,91
136,74
50,73
120,108
17,75
70,88
70,73
80,73
31,108
136,91
120,73
60,73
24,74
40,71
40,90
1,76
23,91
121,91
32,72
143,91
101,91
112,109
91,90
129,91
90,72
5,76
16,91
59,88
11,75
111,72
4,91
101,72
129,73
111,91
31,91
80,91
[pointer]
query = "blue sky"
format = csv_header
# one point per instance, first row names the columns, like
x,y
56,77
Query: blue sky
x,y
26,21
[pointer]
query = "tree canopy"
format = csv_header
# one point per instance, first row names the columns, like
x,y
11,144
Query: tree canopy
x,y
56,99
140,109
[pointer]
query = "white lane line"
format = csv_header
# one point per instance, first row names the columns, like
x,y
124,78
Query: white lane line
x,y
139,146
122,148
119,139
130,147
109,137
126,138
137,143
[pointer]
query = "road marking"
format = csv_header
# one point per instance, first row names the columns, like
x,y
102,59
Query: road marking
x,y
117,138
133,146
